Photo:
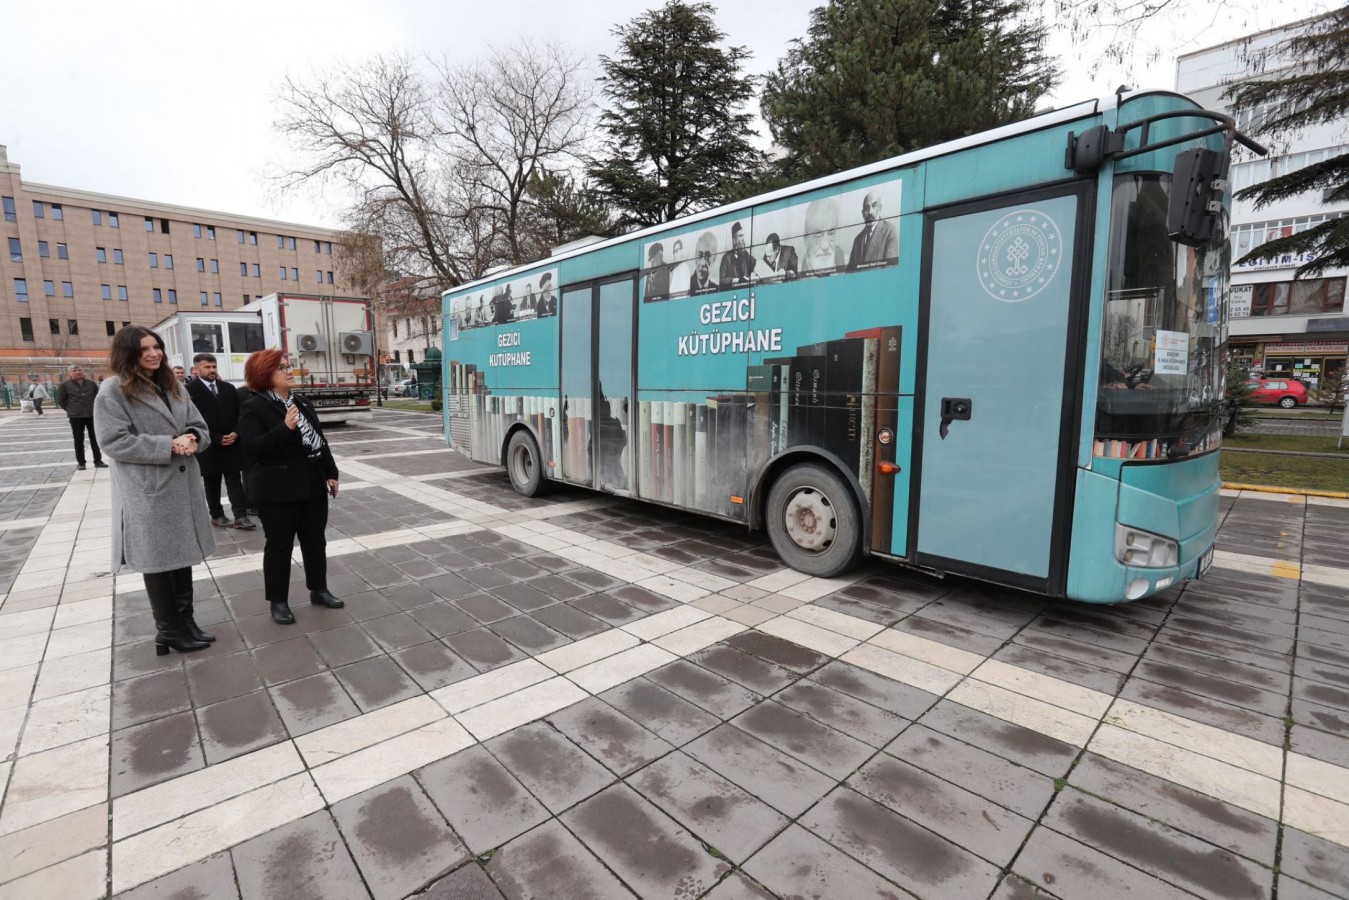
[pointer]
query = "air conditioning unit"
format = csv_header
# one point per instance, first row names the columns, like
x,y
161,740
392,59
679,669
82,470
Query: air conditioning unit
x,y
357,343
312,343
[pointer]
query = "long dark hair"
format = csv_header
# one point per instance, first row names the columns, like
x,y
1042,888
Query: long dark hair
x,y
124,358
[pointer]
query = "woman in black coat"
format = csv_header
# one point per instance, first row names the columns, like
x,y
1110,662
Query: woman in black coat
x,y
291,474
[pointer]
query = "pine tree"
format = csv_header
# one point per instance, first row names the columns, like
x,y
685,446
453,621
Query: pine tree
x,y
1311,88
876,78
676,133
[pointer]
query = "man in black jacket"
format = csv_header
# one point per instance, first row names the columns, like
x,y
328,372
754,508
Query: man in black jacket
x,y
218,402
76,396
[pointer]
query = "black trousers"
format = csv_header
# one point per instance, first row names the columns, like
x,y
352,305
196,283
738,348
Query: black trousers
x,y
37,405
283,523
234,485
78,426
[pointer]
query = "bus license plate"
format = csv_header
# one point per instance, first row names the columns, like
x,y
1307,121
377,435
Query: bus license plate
x,y
1205,562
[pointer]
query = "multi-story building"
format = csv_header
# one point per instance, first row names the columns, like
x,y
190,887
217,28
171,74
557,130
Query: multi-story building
x,y
78,265
1297,328
411,314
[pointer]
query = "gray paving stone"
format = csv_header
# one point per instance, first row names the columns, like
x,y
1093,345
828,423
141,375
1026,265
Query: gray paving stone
x,y
482,801
1062,668
668,715
1316,861
156,751
210,879
1014,887
606,609
1077,650
483,649
234,727
885,693
486,608
1070,869
790,656
1029,748
852,717
749,671
222,677
409,596
737,886
1185,810
899,849
376,682
1021,790
345,645
447,587
619,743
312,703
1164,852
642,599
720,813
398,838
765,772
559,588
523,597
140,699
432,665
442,618
553,768
305,860
1208,710
819,746
396,632
1325,673
705,689
287,661
954,635
529,634
548,863
570,621
651,853
468,882
1215,687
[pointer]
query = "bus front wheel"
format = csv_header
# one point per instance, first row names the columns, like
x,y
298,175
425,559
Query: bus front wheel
x,y
524,465
813,522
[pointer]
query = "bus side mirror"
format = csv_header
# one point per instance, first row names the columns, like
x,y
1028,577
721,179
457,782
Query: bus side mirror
x,y
1088,151
1194,206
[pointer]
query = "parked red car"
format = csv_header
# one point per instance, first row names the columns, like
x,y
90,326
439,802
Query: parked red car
x,y
1285,392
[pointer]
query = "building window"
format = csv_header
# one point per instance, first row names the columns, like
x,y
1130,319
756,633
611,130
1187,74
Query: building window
x,y
11,213
101,254
215,267
54,325
318,246
67,289
210,232
245,298
163,226
39,210
330,277
44,249
243,270
201,264
239,235
26,329
294,274
283,273
62,252
290,243
205,299
49,288
257,270
149,224
318,276
1310,296
15,250
110,326
96,216
216,298
395,329
173,297
159,295
395,356
107,291
168,260
280,242
253,238
117,256
113,221
196,230
58,212
412,357
73,327
328,248
154,260
21,289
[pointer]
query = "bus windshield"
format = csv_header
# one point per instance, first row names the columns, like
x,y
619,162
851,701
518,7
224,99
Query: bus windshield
x,y
1163,333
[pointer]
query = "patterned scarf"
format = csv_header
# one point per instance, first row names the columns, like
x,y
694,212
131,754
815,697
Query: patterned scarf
x,y
312,442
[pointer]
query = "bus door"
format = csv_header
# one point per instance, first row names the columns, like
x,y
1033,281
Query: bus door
x,y
1000,342
597,384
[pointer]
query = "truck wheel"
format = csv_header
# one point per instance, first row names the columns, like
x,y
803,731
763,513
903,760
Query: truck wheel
x,y
1288,402
813,522
524,464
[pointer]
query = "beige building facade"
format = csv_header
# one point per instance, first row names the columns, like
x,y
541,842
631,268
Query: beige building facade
x,y
76,265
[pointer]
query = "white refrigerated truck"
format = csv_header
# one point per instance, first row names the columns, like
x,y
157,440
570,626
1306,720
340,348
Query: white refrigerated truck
x,y
329,340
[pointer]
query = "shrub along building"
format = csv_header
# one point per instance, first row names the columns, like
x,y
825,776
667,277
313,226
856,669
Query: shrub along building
x,y
78,265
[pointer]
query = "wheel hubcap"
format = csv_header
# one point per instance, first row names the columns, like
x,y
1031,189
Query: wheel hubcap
x,y
810,521
522,465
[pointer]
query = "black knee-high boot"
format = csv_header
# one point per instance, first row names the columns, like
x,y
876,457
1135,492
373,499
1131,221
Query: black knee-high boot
x,y
169,630
182,593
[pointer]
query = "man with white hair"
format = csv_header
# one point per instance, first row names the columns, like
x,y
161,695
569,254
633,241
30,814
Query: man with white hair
x,y
76,396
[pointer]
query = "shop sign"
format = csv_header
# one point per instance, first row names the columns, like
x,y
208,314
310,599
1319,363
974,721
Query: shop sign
x,y
1311,348
1239,304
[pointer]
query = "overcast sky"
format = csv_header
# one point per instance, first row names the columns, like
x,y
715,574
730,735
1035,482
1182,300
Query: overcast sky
x,y
173,101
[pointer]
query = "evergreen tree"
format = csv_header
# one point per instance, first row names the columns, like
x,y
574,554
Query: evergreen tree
x,y
1311,87
676,133
876,78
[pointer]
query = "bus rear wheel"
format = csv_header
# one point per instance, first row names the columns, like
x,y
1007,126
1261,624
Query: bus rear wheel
x,y
524,465
813,522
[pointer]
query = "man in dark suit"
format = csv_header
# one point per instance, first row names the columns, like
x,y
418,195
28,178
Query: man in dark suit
x,y
700,282
737,264
657,274
218,402
876,242
781,258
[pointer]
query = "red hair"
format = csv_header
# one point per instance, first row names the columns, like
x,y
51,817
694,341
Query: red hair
x,y
259,368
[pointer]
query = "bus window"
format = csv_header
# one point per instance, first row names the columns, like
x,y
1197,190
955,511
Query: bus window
x,y
245,337
1162,335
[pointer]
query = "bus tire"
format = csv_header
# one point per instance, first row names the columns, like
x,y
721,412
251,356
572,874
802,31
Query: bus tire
x,y
524,464
813,522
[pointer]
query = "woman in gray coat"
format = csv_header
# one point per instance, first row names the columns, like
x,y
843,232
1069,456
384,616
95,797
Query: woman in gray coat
x,y
161,528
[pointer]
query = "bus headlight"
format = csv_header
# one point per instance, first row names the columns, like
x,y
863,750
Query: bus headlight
x,y
1145,549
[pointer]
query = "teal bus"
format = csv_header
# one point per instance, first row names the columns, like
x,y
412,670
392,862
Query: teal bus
x,y
1001,357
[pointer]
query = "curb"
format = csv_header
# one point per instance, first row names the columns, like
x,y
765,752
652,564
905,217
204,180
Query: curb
x,y
1300,492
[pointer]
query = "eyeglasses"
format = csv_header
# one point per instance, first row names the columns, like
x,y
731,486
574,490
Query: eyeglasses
x,y
284,367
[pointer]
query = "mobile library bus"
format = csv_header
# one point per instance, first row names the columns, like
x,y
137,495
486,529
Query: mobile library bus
x,y
1000,357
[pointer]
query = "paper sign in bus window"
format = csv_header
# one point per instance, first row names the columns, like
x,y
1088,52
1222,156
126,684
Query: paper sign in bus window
x,y
1173,353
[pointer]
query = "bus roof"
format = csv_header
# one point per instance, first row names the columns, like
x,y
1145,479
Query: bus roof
x,y
1034,123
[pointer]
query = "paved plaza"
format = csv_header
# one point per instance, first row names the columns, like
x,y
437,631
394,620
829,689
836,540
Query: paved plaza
x,y
584,697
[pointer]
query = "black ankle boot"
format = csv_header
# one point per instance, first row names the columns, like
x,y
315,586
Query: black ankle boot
x,y
170,634
325,598
281,613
